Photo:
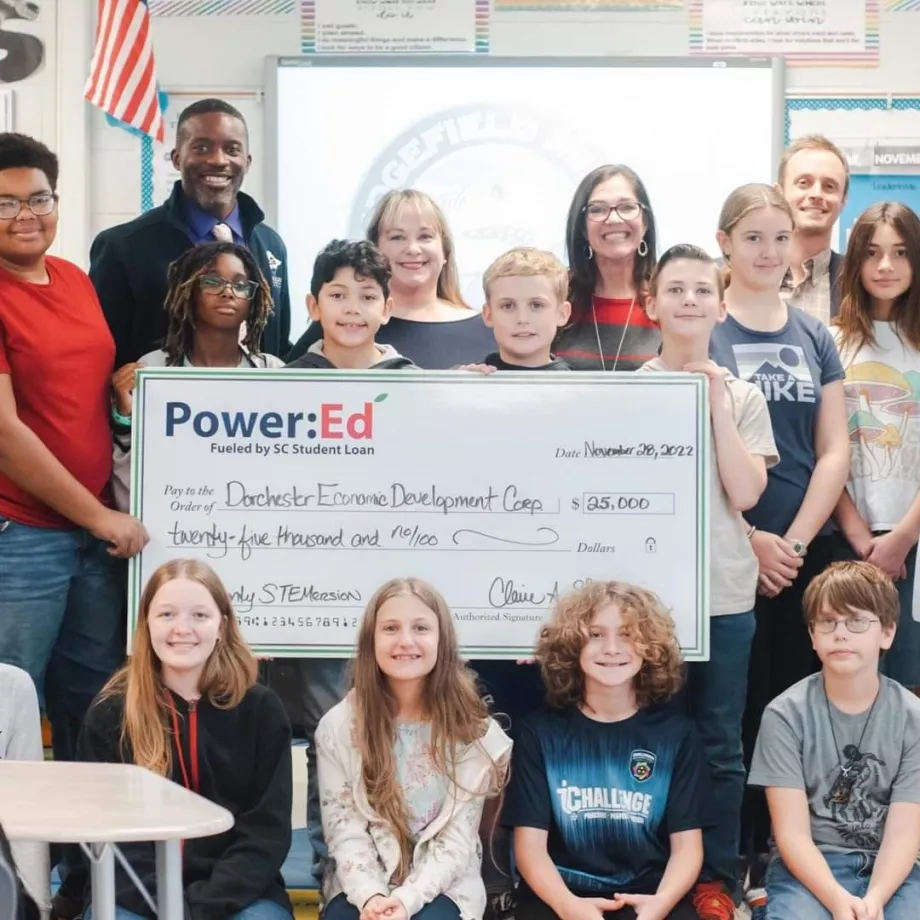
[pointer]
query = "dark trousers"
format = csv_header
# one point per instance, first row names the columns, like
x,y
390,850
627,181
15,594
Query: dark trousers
x,y
714,694
515,690
781,655
441,908
530,907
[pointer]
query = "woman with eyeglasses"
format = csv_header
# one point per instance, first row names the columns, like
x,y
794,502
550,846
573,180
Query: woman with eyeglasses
x,y
218,303
610,238
62,546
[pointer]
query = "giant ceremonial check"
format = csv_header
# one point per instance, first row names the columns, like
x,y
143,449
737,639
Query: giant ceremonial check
x,y
308,490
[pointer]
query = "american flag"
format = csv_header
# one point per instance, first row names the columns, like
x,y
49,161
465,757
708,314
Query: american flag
x,y
122,80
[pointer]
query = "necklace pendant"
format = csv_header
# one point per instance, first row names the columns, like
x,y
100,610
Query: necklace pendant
x,y
842,789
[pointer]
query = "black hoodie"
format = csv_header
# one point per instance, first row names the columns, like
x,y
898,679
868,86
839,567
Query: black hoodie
x,y
243,761
390,360
495,360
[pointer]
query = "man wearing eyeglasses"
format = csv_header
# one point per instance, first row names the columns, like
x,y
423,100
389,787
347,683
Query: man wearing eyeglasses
x,y
128,263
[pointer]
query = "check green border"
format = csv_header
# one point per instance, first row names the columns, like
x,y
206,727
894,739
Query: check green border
x,y
700,650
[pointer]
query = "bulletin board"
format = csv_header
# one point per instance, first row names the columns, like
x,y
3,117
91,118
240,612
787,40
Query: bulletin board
x,y
881,139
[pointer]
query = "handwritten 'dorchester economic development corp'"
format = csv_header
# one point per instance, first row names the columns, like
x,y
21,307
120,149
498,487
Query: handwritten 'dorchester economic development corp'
x,y
307,490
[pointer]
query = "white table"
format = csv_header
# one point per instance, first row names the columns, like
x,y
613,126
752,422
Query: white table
x,y
101,805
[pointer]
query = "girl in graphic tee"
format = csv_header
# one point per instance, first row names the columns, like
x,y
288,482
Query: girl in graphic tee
x,y
607,784
187,706
878,332
791,356
406,762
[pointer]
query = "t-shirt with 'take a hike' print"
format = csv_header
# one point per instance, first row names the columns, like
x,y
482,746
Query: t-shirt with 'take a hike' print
x,y
790,366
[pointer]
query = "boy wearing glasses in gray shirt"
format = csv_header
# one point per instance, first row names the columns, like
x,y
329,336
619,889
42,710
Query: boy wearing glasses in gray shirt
x,y
839,756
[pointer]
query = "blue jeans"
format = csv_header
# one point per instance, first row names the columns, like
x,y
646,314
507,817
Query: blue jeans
x,y
258,910
323,683
441,908
787,897
62,619
715,693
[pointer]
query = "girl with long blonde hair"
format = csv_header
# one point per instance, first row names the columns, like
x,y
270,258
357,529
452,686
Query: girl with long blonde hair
x,y
187,706
607,782
792,357
406,762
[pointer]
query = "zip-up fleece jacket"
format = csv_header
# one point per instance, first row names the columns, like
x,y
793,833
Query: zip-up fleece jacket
x,y
239,758
364,852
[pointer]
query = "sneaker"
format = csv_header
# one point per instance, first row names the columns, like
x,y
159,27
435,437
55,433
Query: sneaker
x,y
65,906
757,903
500,906
711,901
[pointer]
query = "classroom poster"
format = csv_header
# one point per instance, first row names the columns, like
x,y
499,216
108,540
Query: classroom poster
x,y
881,173
221,7
393,26
587,6
805,32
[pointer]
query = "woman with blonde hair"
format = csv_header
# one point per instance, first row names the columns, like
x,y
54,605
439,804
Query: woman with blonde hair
x,y
792,357
406,762
431,324
607,782
187,706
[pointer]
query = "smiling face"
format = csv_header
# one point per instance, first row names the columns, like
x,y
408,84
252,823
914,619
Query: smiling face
x,y
184,624
843,652
614,238
350,308
406,639
758,247
217,305
814,183
414,247
609,658
25,239
525,313
212,155
687,303
886,272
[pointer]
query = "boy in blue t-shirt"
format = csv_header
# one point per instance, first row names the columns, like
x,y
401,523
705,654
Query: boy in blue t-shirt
x,y
607,784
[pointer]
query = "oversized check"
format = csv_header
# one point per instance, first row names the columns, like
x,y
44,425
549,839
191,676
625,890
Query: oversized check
x,y
308,490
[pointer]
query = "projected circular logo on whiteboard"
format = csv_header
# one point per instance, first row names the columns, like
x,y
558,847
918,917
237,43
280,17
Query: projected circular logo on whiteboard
x,y
504,176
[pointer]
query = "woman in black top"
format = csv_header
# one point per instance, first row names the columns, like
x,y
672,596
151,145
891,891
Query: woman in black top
x,y
430,323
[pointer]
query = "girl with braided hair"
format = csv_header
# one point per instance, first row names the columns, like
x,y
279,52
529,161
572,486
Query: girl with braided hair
x,y
218,304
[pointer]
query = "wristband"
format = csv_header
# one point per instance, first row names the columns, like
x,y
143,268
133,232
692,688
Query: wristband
x,y
752,531
119,419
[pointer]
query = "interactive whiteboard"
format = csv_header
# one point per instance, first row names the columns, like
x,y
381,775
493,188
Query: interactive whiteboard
x,y
501,143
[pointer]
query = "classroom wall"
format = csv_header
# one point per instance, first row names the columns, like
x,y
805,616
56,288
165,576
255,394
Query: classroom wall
x,y
224,55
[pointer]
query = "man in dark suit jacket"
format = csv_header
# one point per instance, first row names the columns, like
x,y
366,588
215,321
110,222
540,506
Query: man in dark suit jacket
x,y
814,177
128,263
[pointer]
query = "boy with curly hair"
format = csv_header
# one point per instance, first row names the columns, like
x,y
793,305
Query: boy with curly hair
x,y
607,782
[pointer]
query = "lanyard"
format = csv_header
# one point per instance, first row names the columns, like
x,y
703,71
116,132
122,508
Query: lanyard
x,y
193,744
